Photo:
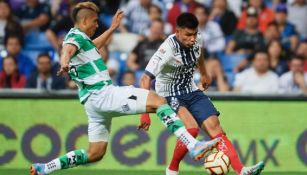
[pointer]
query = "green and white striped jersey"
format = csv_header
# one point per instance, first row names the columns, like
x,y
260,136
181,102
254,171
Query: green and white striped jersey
x,y
86,67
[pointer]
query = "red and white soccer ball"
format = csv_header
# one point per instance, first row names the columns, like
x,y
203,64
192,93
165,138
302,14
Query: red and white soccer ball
x,y
217,163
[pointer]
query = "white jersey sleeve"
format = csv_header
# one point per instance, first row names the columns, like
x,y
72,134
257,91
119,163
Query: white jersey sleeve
x,y
159,59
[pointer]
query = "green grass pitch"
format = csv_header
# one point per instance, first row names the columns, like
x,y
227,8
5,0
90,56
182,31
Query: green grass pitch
x,y
122,172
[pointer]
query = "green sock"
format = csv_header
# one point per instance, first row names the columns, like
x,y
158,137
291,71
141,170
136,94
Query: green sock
x,y
69,160
169,118
174,124
73,158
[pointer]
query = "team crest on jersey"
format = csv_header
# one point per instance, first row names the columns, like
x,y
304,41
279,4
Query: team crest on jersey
x,y
125,108
196,49
162,51
174,103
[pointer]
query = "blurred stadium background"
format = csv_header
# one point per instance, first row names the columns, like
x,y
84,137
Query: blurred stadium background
x,y
265,116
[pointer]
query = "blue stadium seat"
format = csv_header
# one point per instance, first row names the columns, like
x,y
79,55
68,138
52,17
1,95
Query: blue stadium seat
x,y
37,41
230,78
33,53
229,62
106,19
121,58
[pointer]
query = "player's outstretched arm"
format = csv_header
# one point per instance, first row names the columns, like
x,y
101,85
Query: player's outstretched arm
x,y
145,82
67,52
145,118
105,36
205,78
153,68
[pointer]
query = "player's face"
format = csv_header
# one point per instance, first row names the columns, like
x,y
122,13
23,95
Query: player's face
x,y
91,25
186,37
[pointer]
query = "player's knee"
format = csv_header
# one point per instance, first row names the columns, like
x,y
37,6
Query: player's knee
x,y
98,157
212,125
155,101
161,101
215,127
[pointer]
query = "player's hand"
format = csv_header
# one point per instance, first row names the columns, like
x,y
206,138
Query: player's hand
x,y
205,83
117,18
144,122
63,70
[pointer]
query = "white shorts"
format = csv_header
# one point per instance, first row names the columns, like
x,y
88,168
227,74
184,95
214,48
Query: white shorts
x,y
112,101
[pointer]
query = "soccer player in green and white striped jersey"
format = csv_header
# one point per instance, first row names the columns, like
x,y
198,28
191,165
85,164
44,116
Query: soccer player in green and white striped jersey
x,y
102,100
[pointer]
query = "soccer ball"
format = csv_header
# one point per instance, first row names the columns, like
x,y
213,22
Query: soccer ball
x,y
217,163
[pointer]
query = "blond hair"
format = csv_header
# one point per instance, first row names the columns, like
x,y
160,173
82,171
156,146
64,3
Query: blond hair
x,y
83,6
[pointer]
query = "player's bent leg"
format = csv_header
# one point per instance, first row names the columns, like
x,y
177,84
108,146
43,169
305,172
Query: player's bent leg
x,y
72,159
69,160
179,153
212,126
180,149
96,151
98,133
187,118
173,123
214,129
99,126
154,101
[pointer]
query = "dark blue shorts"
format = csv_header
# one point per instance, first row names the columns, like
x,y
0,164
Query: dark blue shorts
x,y
199,105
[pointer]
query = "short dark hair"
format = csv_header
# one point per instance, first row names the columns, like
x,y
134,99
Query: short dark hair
x,y
204,8
258,51
274,41
129,72
43,54
10,36
9,57
157,20
297,57
273,23
157,7
187,20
